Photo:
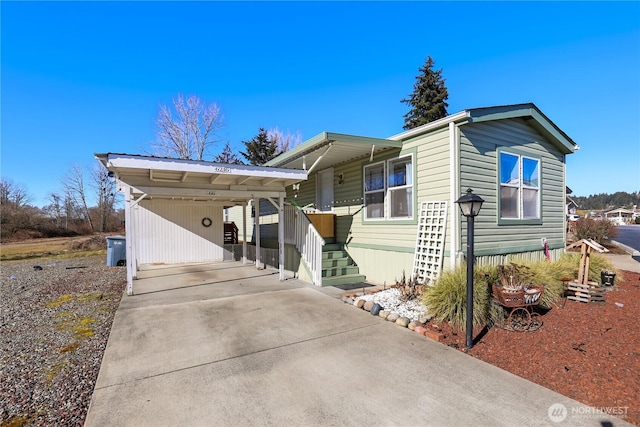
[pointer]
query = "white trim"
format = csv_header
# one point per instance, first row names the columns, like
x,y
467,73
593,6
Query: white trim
x,y
237,195
180,165
431,125
454,217
386,190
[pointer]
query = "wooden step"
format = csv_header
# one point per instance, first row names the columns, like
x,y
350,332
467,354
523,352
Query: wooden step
x,y
343,280
340,271
334,254
328,247
336,262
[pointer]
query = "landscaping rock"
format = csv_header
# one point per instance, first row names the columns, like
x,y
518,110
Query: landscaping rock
x,y
392,317
383,314
375,310
413,324
360,303
349,301
368,305
425,318
403,321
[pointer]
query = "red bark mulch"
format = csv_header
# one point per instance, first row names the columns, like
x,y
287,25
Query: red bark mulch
x,y
587,352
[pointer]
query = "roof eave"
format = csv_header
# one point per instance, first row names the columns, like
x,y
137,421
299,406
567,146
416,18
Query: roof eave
x,y
324,138
453,118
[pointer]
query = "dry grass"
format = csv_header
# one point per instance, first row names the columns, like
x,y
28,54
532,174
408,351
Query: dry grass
x,y
56,248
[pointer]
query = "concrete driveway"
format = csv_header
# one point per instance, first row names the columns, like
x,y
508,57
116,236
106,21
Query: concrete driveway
x,y
229,345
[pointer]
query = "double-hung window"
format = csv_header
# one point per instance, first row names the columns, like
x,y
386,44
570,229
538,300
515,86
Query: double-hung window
x,y
388,189
519,186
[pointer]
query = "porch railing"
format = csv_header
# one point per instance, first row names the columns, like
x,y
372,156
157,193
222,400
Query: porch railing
x,y
300,232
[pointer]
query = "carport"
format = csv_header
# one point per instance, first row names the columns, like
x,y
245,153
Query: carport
x,y
174,207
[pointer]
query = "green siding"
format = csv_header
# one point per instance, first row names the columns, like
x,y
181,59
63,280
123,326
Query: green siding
x,y
479,144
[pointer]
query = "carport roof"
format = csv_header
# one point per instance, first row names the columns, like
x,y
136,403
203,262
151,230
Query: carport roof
x,y
176,178
328,149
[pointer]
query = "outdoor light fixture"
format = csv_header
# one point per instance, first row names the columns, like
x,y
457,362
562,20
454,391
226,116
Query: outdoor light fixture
x,y
470,205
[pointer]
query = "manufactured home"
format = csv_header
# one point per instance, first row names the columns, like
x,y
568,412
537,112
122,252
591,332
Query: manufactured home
x,y
342,208
384,207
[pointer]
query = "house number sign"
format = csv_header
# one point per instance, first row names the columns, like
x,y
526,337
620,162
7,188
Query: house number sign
x,y
221,169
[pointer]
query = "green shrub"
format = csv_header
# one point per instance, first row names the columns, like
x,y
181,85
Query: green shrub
x,y
570,263
599,230
447,298
637,220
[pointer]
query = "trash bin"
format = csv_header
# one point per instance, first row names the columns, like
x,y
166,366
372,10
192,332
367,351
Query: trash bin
x,y
116,251
607,277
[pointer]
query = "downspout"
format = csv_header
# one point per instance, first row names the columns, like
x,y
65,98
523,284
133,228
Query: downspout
x,y
454,218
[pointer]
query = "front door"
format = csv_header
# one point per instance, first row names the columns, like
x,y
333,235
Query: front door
x,y
324,191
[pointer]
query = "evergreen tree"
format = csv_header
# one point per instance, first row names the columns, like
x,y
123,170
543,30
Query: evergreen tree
x,y
428,101
228,156
260,149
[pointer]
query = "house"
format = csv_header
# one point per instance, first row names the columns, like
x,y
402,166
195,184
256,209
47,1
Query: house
x,y
343,208
572,206
387,205
620,216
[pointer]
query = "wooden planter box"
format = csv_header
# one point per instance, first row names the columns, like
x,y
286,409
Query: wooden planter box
x,y
324,223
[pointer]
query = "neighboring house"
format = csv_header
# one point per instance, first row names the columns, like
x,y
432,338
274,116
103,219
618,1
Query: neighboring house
x,y
370,192
572,206
620,216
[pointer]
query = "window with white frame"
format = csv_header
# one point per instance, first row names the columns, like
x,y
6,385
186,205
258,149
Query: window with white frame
x,y
519,186
388,189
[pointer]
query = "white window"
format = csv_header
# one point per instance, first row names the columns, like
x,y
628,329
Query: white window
x,y
519,186
388,189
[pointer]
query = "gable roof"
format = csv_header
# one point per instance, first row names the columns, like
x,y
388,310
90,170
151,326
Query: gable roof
x,y
328,148
528,111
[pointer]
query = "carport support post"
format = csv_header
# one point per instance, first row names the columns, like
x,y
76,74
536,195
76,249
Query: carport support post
x,y
128,221
257,231
244,233
281,236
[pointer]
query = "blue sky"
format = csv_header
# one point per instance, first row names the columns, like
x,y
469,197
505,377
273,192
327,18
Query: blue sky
x,y
85,77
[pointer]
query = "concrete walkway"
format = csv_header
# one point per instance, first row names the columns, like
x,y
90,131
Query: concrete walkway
x,y
229,345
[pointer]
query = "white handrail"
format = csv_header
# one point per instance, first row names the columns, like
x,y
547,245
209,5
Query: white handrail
x,y
300,232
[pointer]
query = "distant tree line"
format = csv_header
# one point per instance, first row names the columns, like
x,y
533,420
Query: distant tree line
x,y
86,203
605,201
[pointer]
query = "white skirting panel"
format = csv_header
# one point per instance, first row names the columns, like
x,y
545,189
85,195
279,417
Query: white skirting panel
x,y
173,232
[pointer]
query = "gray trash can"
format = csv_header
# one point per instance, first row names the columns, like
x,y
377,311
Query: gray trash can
x,y
116,251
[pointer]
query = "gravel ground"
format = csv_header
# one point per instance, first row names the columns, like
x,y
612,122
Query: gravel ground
x,y
390,301
54,327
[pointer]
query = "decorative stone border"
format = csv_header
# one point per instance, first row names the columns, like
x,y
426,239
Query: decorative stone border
x,y
417,326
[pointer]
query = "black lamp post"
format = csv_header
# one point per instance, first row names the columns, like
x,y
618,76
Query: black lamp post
x,y
470,205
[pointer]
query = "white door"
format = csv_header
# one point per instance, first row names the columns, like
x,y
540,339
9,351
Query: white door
x,y
324,190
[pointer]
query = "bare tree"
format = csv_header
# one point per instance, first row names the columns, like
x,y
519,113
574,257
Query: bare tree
x,y
13,193
286,140
191,132
105,188
75,188
54,209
